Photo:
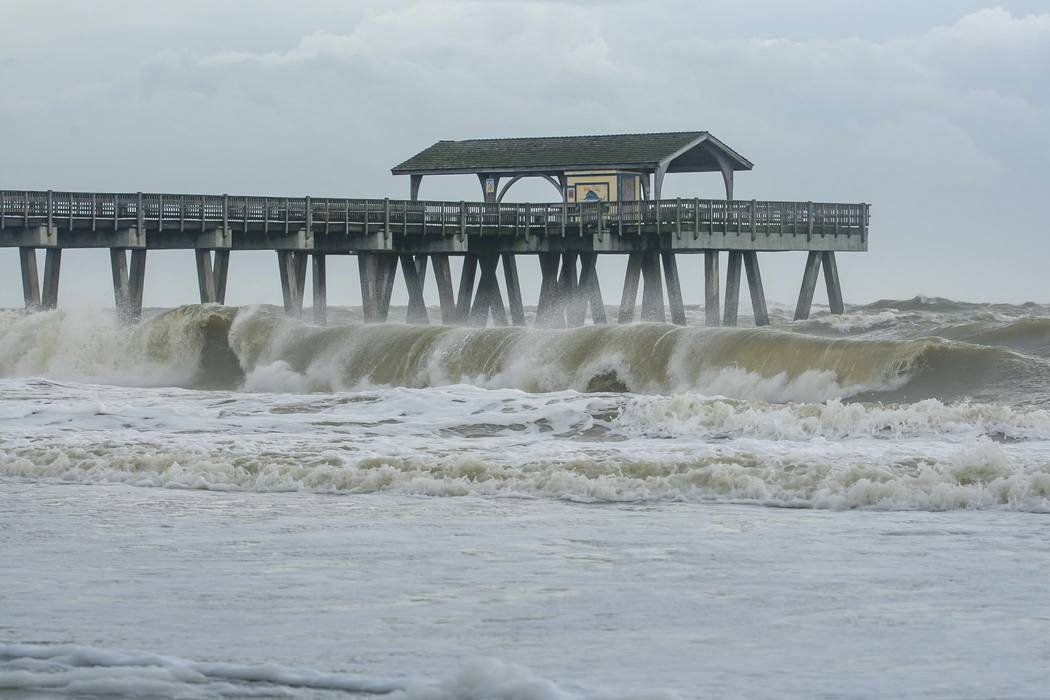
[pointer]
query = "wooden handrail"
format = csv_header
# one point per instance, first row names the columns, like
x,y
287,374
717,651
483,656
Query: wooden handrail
x,y
198,212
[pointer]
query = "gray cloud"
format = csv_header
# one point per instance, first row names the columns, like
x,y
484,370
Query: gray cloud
x,y
936,116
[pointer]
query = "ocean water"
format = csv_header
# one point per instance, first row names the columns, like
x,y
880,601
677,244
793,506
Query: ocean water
x,y
226,502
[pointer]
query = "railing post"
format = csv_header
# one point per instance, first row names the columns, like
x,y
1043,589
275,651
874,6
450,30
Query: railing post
x,y
752,219
809,217
864,215
140,215
528,219
564,215
225,213
50,210
678,217
25,209
462,220
309,217
386,218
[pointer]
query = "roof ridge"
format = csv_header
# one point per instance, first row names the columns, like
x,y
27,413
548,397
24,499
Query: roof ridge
x,y
576,136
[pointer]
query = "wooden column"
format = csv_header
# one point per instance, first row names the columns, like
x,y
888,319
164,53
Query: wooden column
x,y
510,275
652,288
488,297
588,294
52,269
287,263
809,284
754,285
443,278
732,288
220,271
128,284
548,304
466,287
568,284
320,285
366,268
386,275
205,276
630,288
417,306
831,279
674,289
30,279
712,317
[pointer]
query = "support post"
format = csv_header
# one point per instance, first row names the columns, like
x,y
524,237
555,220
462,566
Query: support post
x,y
416,311
137,282
809,284
732,289
52,268
674,289
30,279
128,286
466,287
289,269
567,289
220,271
588,293
652,288
711,291
630,288
320,285
443,278
387,267
510,275
366,266
205,276
831,279
754,285
488,297
546,316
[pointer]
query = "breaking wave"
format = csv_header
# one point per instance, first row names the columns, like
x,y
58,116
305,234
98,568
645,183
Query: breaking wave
x,y
259,349
82,671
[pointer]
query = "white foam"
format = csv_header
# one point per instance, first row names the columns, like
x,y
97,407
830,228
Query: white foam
x,y
83,670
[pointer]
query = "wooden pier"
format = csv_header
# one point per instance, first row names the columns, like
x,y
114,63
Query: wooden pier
x,y
414,236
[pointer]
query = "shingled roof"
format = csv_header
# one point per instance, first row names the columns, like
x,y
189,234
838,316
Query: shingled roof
x,y
686,151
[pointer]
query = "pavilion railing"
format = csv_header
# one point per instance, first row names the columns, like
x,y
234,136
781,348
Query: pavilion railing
x,y
208,212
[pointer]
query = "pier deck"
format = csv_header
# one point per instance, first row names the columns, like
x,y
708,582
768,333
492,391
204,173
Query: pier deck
x,y
386,232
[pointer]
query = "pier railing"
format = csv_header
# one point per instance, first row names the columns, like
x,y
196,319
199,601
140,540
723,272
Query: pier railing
x,y
182,212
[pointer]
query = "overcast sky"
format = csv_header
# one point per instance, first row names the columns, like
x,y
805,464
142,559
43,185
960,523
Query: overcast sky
x,y
936,113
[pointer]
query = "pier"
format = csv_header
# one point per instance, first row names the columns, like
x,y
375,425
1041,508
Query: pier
x,y
416,237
